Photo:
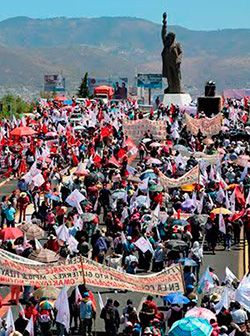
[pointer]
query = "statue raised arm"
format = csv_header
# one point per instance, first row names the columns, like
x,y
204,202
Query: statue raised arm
x,y
164,28
171,59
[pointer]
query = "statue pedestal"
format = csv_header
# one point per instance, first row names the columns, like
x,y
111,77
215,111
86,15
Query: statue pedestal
x,y
180,99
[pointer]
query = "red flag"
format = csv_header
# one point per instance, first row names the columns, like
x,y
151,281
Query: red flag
x,y
105,132
44,129
114,162
240,196
121,153
23,167
100,115
244,118
75,160
237,215
246,102
97,160
159,198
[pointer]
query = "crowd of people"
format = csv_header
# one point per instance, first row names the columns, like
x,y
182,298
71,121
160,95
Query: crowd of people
x,y
123,199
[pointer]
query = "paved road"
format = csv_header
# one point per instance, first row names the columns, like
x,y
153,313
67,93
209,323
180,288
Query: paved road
x,y
233,259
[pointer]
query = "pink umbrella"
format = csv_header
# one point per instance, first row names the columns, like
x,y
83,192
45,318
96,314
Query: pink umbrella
x,y
51,134
47,159
201,313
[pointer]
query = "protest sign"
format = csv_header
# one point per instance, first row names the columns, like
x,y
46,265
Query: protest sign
x,y
137,128
70,273
74,200
142,244
207,126
190,177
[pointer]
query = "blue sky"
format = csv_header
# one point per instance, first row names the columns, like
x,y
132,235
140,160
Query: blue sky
x,y
193,14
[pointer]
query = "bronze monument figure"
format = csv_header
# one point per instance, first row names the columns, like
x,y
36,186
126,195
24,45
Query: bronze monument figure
x,y
171,59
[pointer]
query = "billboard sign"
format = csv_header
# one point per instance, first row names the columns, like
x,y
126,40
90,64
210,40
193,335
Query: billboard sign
x,y
119,84
54,83
149,81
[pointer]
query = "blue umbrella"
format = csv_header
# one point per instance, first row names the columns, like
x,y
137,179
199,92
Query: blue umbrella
x,y
190,326
187,262
176,298
148,173
53,197
68,102
180,222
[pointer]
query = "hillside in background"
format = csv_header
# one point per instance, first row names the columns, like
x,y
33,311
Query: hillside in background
x,y
122,46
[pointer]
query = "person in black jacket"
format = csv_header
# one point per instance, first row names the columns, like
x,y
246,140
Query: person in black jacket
x,y
111,317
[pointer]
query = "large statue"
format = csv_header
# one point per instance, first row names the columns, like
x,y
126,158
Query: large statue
x,y
171,59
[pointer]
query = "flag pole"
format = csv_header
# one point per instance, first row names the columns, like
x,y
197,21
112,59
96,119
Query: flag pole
x,y
199,173
82,267
182,277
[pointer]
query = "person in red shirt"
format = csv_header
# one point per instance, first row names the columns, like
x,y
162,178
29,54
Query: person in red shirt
x,y
216,328
52,244
22,203
30,311
151,304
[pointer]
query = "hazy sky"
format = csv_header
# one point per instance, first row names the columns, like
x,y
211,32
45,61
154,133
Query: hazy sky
x,y
193,14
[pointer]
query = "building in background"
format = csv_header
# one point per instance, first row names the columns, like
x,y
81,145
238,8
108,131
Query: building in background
x,y
54,83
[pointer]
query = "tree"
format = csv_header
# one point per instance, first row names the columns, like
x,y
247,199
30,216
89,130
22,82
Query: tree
x,y
13,105
83,91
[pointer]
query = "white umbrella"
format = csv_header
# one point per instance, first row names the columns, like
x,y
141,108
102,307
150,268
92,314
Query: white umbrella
x,y
51,134
154,161
155,144
141,200
146,140
119,194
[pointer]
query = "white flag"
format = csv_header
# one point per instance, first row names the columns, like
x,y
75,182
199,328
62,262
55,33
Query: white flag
x,y
62,306
62,233
156,211
10,326
242,294
30,327
22,311
38,245
222,225
143,244
211,173
224,302
100,301
230,276
78,296
38,180
220,195
244,173
123,238
74,200
72,244
232,201
143,185
148,201
131,170
227,203
248,198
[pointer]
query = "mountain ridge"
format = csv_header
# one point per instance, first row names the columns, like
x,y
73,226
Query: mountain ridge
x,y
116,46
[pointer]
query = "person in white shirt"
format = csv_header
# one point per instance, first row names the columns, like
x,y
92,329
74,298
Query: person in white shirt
x,y
238,314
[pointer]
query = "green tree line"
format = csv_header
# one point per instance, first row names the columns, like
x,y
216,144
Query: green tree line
x,y
14,105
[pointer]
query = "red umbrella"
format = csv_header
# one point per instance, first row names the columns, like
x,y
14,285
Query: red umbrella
x,y
22,131
10,233
60,98
47,159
